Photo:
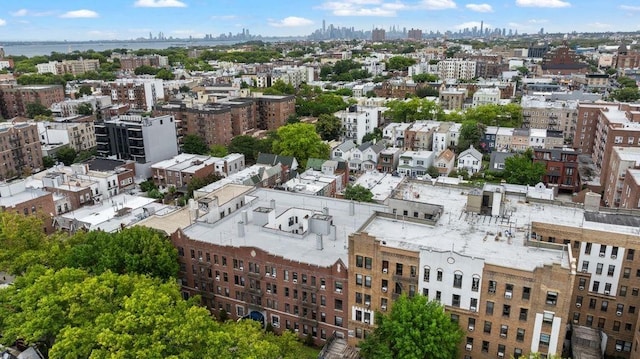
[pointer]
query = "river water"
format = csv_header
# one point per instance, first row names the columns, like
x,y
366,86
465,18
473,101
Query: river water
x,y
46,48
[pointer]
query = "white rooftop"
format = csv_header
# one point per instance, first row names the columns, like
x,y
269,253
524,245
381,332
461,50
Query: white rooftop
x,y
298,247
628,153
380,184
475,235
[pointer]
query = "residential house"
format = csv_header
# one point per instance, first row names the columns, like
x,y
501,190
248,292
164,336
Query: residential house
x,y
497,160
561,167
445,162
415,163
365,157
388,159
470,160
343,151
289,164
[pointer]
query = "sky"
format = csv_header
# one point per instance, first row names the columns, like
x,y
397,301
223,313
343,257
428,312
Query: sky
x,y
79,20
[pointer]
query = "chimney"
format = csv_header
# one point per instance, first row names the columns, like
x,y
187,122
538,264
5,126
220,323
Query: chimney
x,y
592,202
325,210
240,229
352,208
319,242
273,204
245,216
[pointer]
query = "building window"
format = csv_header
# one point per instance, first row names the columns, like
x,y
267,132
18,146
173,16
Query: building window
x,y
457,280
492,286
426,274
504,330
487,327
475,283
545,339
520,334
506,310
526,293
524,313
455,300
552,298
489,308
359,261
439,275
547,317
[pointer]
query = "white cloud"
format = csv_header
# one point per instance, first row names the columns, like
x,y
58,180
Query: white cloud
x,y
159,3
80,14
630,8
363,8
438,4
21,12
479,7
290,21
538,21
224,17
471,24
3,22
599,25
543,3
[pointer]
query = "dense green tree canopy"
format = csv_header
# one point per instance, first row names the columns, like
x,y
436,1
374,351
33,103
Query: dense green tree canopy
x,y
165,74
358,193
37,109
521,169
78,315
85,109
246,145
343,70
194,144
412,110
280,87
421,78
496,115
301,141
400,63
67,155
471,133
329,127
131,250
626,94
317,104
414,328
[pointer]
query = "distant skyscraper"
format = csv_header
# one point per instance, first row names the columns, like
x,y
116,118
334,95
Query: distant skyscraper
x,y
481,27
1,52
324,27
415,34
378,35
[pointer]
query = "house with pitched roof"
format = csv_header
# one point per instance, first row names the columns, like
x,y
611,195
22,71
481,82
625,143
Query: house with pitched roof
x,y
471,160
445,162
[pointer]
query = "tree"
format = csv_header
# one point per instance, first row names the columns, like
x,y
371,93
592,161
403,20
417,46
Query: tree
x,y
84,91
414,328
329,127
521,169
496,115
48,161
626,94
433,172
132,250
145,70
245,145
376,135
85,109
344,92
36,108
422,78
66,154
73,314
400,63
412,110
358,193
625,81
165,74
280,87
194,144
218,151
523,70
471,133
301,141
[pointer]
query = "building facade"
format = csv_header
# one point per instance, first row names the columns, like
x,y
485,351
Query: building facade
x,y
20,150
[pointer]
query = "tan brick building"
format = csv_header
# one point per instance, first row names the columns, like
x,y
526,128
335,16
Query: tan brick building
x,y
20,151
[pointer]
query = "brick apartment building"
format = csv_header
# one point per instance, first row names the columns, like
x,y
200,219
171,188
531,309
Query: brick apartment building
x,y
29,201
563,61
218,123
131,62
20,150
600,127
139,94
561,167
180,170
14,98
513,272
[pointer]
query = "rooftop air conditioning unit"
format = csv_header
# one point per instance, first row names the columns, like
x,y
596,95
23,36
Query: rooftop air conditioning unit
x,y
469,347
578,305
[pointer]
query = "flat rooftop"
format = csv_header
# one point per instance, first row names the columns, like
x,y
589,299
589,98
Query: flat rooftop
x,y
300,248
380,184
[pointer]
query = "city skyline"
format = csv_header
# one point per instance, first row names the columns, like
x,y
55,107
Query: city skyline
x,y
77,20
